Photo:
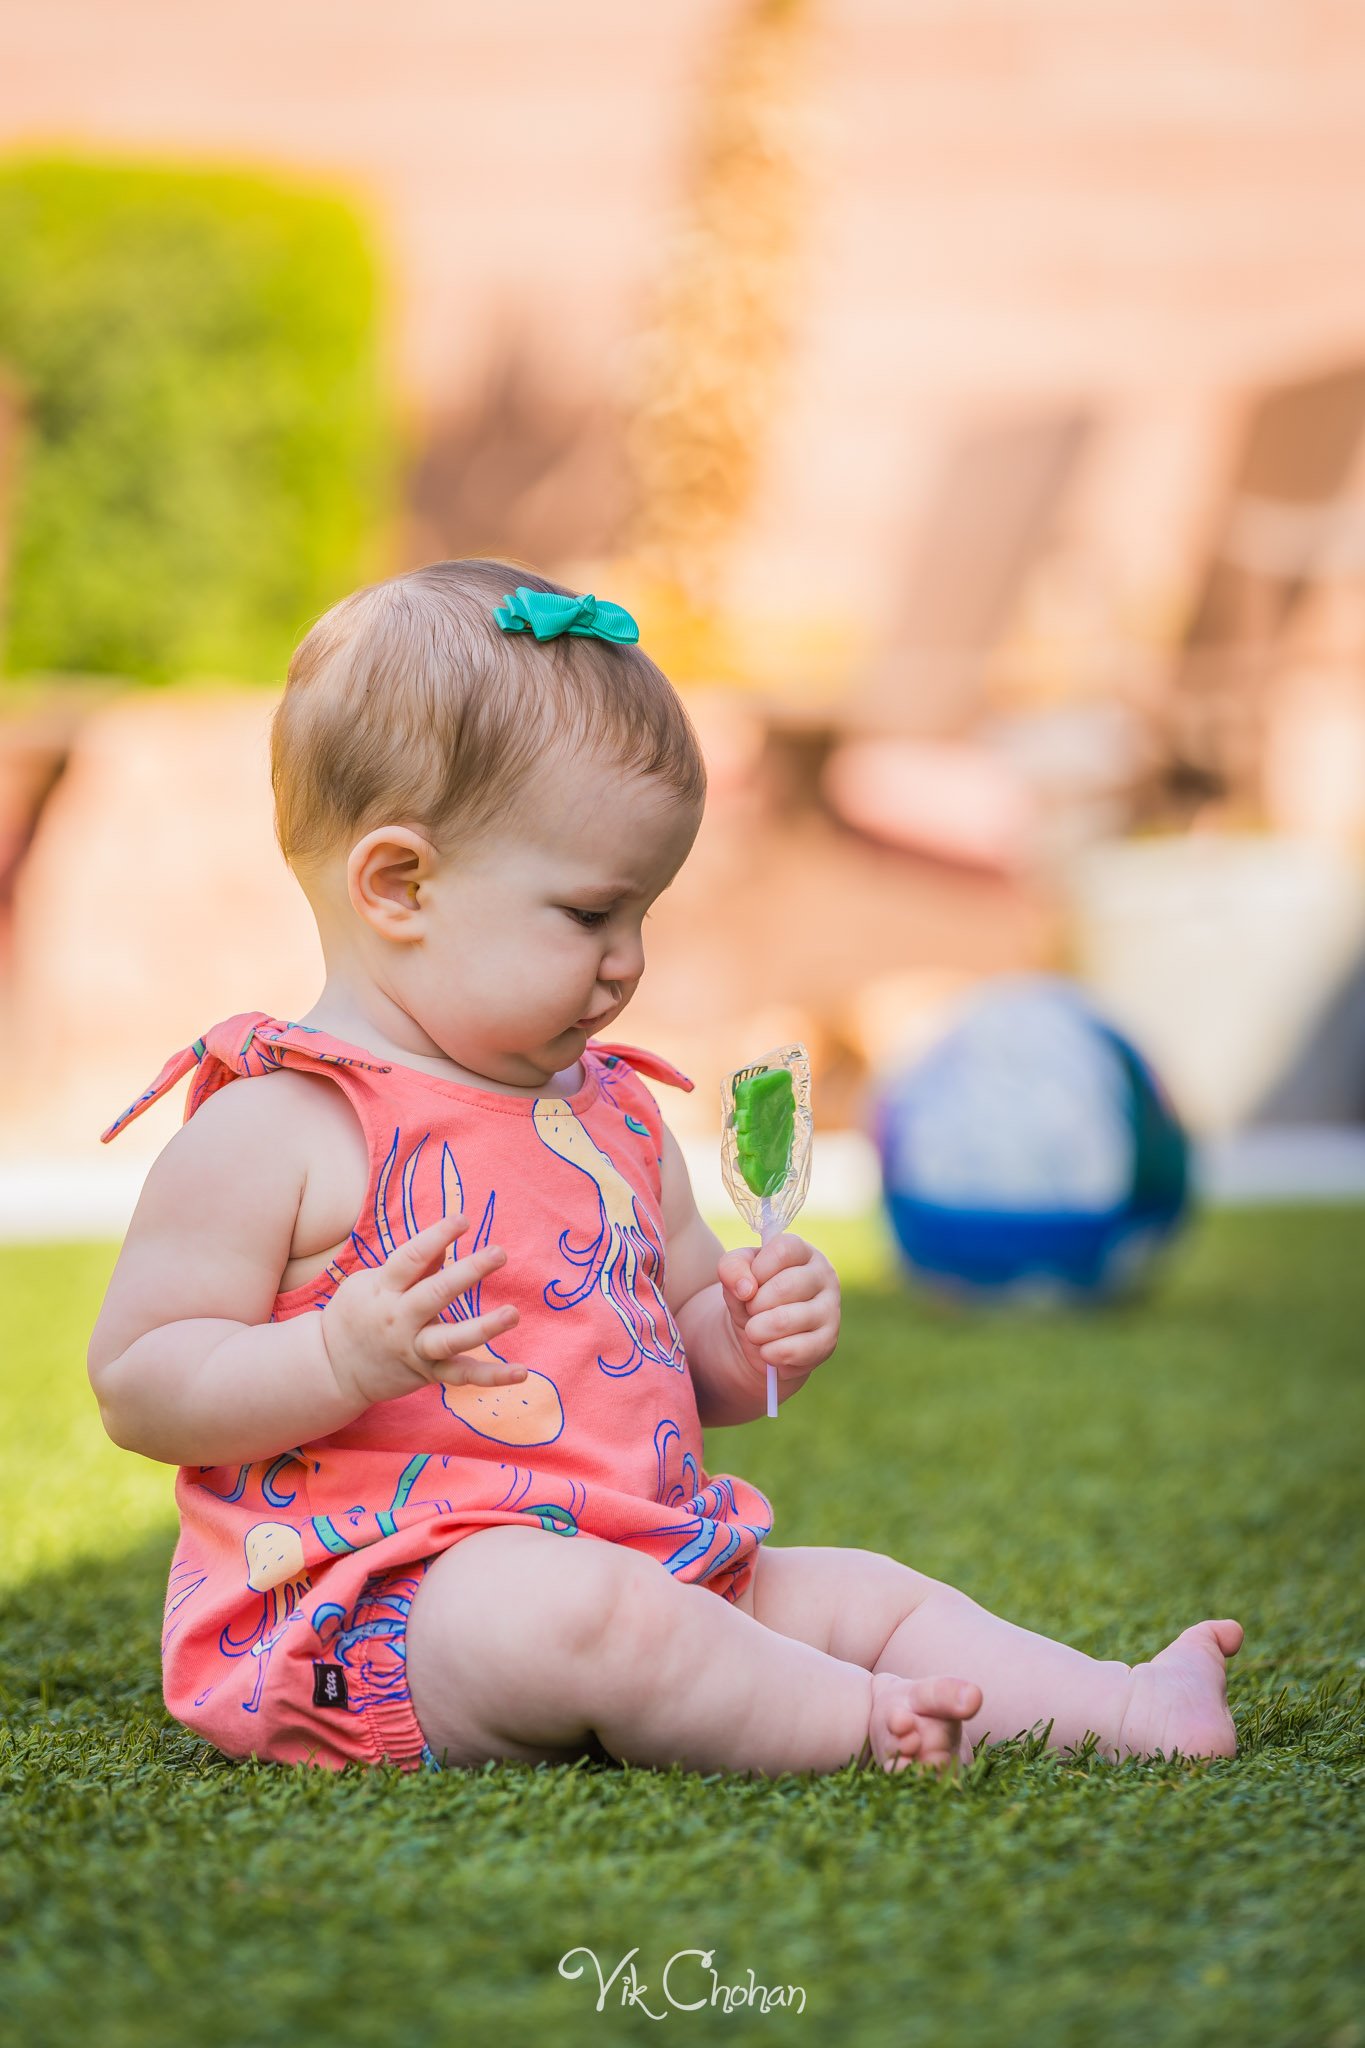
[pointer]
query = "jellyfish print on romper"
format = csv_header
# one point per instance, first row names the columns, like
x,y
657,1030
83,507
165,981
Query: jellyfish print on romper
x,y
372,1642
621,1258
677,1468
467,1305
275,1569
710,1530
186,1577
451,1187
611,1072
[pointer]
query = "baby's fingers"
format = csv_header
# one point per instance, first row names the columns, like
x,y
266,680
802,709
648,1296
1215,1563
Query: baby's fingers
x,y
480,1367
481,1372
733,1272
442,1343
787,1249
786,1319
416,1258
426,1298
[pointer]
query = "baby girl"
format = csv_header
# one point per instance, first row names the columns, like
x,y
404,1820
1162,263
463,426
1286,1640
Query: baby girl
x,y
431,1326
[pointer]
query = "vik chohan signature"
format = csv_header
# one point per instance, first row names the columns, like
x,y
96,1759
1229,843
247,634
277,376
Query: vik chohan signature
x,y
686,1974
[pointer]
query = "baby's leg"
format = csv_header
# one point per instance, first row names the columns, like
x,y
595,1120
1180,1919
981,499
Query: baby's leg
x,y
524,1644
869,1608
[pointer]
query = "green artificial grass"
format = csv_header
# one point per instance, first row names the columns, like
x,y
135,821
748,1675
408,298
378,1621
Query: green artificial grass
x,y
1107,1478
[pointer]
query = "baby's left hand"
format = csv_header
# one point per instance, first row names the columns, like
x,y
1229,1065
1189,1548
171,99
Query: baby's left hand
x,y
783,1299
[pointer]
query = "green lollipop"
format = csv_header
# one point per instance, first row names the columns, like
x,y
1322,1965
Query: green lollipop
x,y
765,1124
766,1145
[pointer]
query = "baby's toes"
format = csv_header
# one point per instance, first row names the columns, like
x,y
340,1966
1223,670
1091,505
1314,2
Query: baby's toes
x,y
907,1747
940,1744
950,1699
899,1714
1229,1636
919,1721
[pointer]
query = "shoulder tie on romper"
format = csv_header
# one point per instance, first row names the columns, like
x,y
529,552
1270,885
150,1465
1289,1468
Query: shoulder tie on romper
x,y
227,1049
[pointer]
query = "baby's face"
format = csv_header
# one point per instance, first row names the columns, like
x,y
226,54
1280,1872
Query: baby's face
x,y
532,938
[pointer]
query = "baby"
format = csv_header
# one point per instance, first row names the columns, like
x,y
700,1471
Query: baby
x,y
431,1325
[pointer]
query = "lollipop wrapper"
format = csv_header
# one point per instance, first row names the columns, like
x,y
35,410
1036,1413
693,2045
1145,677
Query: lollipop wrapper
x,y
766,1214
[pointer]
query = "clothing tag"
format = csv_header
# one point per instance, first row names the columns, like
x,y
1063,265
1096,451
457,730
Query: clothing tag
x,y
329,1685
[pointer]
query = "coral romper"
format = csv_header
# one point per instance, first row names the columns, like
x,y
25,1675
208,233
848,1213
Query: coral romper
x,y
286,1609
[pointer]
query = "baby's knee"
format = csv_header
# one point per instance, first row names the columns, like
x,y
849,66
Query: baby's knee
x,y
622,1608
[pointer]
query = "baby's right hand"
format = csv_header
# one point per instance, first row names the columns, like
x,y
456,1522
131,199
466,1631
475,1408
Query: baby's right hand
x,y
381,1329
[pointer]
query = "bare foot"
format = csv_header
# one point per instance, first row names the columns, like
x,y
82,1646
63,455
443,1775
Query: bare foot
x,y
919,1721
1180,1699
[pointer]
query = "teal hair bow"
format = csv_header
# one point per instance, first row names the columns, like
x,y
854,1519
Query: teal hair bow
x,y
547,615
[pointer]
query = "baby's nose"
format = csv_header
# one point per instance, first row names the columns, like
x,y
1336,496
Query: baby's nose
x,y
625,962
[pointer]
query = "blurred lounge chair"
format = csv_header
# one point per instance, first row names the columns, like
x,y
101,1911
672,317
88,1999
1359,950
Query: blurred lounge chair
x,y
989,519
1286,522
891,759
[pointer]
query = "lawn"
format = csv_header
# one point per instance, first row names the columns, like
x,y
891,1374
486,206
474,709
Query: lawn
x,y
1108,1478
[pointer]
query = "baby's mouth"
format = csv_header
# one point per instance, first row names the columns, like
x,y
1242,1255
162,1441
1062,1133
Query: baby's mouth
x,y
591,1023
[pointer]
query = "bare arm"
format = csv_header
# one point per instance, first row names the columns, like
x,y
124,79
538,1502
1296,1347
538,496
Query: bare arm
x,y
183,1361
730,1387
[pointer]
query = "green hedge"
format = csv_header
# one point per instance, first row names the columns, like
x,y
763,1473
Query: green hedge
x,y
205,458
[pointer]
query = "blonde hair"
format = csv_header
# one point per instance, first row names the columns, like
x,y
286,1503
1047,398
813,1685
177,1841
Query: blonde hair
x,y
407,703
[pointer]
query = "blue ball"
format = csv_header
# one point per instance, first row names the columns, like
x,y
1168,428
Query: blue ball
x,y
1031,1154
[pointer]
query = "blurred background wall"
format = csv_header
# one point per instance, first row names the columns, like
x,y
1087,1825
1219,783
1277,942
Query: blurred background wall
x,y
968,398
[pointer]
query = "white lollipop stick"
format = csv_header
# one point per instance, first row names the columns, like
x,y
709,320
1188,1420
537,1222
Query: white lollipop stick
x,y
770,1228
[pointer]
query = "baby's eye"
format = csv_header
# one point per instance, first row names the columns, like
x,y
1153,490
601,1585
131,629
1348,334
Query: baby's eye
x,y
589,919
